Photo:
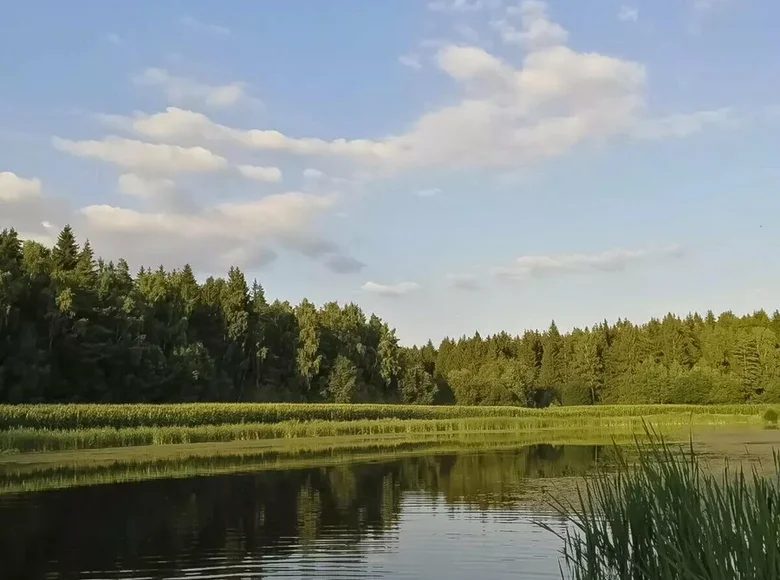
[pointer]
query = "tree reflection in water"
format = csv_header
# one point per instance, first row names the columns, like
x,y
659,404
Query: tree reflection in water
x,y
161,527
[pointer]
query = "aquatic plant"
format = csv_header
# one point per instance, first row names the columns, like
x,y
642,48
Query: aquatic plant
x,y
666,515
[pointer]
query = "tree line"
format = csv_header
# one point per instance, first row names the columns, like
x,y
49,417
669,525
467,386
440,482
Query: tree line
x,y
76,328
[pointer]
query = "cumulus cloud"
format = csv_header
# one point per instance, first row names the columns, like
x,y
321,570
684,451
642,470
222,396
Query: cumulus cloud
x,y
628,14
181,125
166,230
509,115
138,186
238,232
180,89
138,155
399,289
464,281
160,193
203,27
267,174
15,188
608,261
24,207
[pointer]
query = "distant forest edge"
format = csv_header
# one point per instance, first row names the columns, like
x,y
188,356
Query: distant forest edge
x,y
77,329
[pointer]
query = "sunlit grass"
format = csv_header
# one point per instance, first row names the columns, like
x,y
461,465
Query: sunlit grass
x,y
39,472
84,416
41,439
664,515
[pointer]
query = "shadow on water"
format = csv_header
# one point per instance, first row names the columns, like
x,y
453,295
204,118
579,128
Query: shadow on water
x,y
276,523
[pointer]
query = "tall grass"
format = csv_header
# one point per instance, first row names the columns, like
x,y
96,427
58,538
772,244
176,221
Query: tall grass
x,y
27,439
669,517
86,416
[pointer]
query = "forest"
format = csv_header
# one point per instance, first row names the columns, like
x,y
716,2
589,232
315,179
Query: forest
x,y
76,328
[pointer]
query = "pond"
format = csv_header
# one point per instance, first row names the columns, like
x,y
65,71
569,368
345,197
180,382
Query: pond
x,y
466,514
461,515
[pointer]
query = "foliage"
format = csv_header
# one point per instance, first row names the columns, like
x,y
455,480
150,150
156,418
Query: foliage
x,y
76,328
770,416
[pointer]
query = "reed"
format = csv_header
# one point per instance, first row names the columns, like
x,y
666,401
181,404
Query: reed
x,y
665,515
21,440
88,416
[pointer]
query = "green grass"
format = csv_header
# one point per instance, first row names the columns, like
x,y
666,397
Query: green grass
x,y
45,471
37,439
665,516
86,416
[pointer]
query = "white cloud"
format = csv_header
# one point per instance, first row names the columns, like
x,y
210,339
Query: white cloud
x,y
141,156
509,115
203,27
144,187
311,173
684,124
410,60
464,281
239,232
608,261
536,31
429,192
399,289
456,5
159,193
16,188
47,224
180,90
628,14
267,174
177,124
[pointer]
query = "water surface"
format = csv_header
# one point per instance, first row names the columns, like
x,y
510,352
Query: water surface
x,y
466,515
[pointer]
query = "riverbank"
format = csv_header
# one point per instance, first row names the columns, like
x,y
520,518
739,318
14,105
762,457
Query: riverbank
x,y
44,471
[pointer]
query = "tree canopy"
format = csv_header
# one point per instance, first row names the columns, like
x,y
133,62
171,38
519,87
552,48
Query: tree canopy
x,y
74,328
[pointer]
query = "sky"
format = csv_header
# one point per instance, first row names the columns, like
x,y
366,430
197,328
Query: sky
x,y
450,165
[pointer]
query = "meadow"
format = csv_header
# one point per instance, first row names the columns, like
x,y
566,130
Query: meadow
x,y
34,428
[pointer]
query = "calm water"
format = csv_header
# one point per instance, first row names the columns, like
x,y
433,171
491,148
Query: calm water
x,y
443,516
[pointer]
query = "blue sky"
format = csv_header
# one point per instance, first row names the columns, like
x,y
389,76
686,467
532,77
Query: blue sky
x,y
452,165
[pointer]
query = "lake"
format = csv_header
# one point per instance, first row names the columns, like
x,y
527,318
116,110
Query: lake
x,y
469,514
439,516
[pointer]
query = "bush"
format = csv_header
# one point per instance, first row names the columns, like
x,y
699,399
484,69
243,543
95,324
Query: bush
x,y
770,416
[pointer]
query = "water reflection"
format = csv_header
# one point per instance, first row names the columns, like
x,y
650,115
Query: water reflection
x,y
418,517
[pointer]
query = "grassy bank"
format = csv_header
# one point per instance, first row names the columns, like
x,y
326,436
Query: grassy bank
x,y
45,471
197,414
16,440
665,516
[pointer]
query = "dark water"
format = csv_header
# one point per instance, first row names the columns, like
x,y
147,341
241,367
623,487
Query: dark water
x,y
447,516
